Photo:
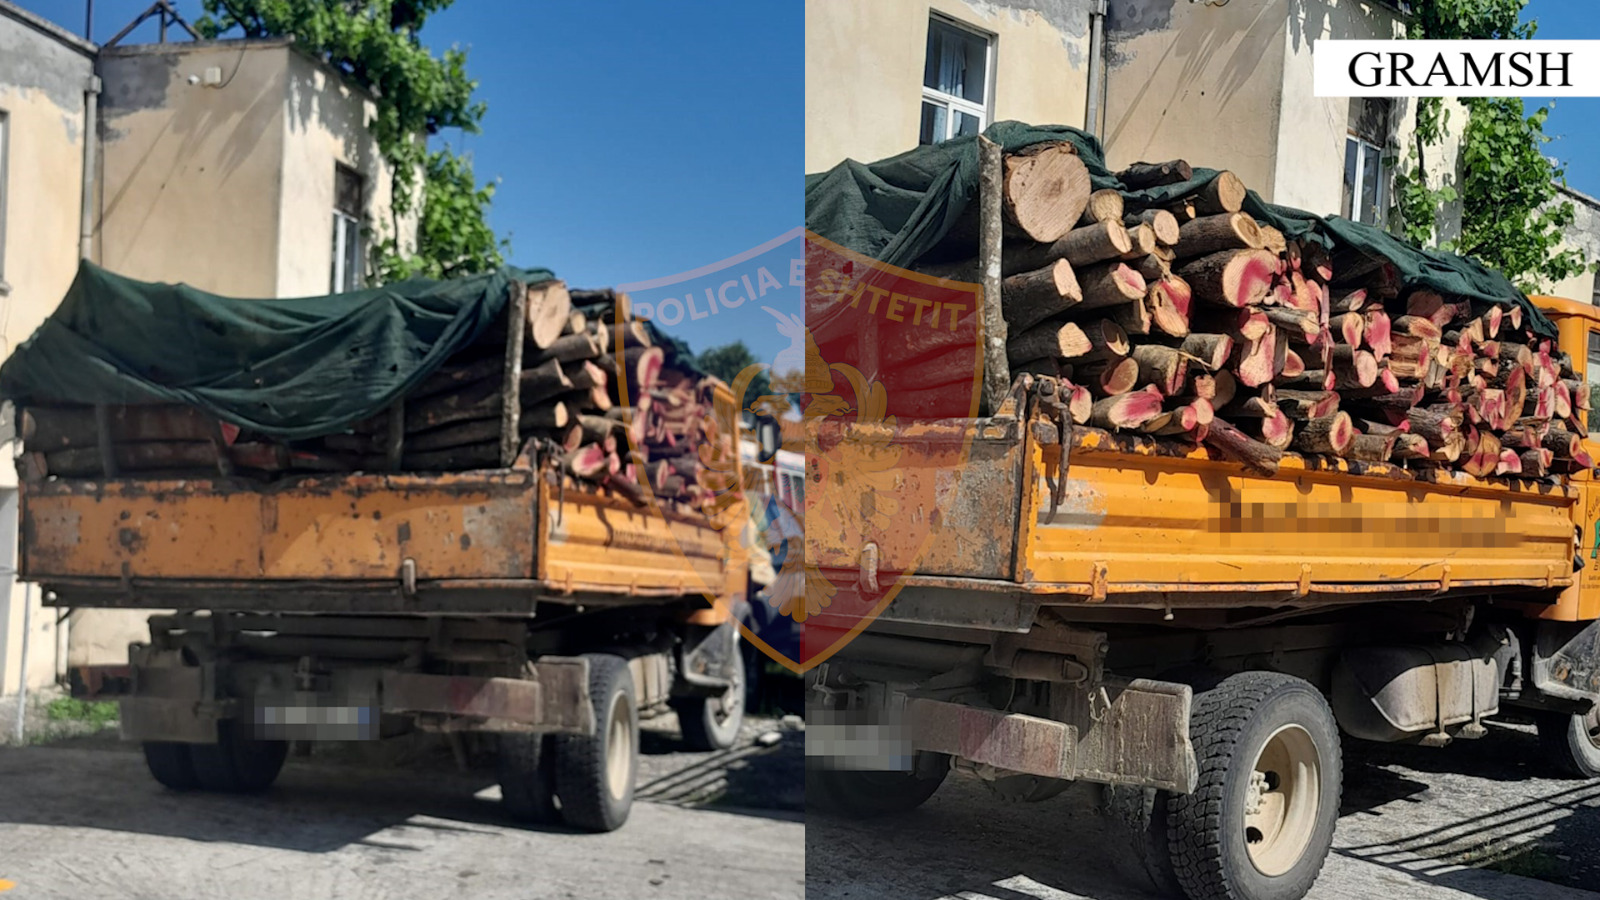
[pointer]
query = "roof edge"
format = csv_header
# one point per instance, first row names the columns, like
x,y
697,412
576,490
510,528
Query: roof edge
x,y
48,28
172,47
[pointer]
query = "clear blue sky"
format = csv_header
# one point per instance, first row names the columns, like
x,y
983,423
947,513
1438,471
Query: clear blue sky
x,y
1575,121
632,140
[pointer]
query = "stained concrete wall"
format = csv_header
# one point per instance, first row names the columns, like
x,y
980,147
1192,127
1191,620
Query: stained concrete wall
x,y
1583,234
1196,82
326,124
191,174
44,72
864,65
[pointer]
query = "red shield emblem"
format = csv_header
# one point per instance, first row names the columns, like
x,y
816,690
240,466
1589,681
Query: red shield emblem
x,y
888,352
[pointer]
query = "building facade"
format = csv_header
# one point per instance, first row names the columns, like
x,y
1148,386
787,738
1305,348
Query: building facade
x,y
240,167
1224,85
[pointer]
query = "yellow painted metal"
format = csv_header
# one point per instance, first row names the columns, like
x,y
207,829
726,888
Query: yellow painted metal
x,y
468,525
1131,522
1575,322
596,543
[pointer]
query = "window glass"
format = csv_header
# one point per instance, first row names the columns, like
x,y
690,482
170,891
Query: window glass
x,y
1352,153
933,123
956,62
1371,184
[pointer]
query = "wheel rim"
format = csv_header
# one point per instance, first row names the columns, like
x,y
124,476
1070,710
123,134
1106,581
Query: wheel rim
x,y
619,749
1590,723
1281,800
731,701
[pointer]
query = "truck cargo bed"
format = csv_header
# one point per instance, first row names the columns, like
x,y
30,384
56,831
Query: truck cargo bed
x,y
492,541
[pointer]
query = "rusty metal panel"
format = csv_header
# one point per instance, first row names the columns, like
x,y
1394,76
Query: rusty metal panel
x,y
939,497
554,698
1010,741
326,527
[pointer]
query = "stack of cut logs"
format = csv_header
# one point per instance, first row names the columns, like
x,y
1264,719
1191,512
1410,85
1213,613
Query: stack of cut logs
x,y
1194,322
452,420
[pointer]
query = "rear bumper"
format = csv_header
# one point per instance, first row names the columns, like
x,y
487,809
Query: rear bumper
x,y
175,703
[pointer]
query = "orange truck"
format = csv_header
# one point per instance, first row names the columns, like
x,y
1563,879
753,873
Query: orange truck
x,y
513,602
1193,635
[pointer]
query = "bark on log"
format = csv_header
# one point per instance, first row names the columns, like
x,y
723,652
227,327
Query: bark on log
x,y
1163,224
1029,298
1108,378
1223,194
1210,350
1163,367
1236,445
1143,175
1328,434
1235,278
1305,405
1109,284
1371,447
1410,446
1130,410
1055,340
1214,234
1143,239
1107,340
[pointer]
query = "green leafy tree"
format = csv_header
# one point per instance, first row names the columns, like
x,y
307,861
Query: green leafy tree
x,y
727,361
375,44
1510,219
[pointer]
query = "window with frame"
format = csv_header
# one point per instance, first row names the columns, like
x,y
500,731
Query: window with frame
x,y
1366,174
955,81
347,268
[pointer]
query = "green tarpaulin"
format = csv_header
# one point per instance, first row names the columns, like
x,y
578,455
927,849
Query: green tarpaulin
x,y
898,209
294,368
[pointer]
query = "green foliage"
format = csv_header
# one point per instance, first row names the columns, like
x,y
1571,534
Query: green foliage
x,y
68,709
1508,218
727,361
375,44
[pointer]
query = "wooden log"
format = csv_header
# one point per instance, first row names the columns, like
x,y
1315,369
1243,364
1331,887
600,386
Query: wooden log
x,y
1130,410
1236,278
628,334
1418,326
1109,284
1211,350
643,366
1163,225
1316,263
1254,361
1536,462
1029,298
1368,426
1108,378
1223,194
1350,327
588,462
1046,188
1378,333
45,428
568,348
577,323
1151,266
1183,210
1134,317
1311,379
1104,206
1305,405
1347,301
1079,402
1293,364
549,310
1371,447
1409,447
1353,369
1328,434
1056,340
1107,340
1276,430
1143,175
1295,324
543,381
547,416
1143,239
1168,302
1273,240
1482,454
1214,234
1435,427
1164,367
1235,444
1081,247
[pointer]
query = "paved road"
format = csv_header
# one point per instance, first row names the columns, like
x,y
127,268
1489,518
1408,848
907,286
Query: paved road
x,y
84,821
1410,815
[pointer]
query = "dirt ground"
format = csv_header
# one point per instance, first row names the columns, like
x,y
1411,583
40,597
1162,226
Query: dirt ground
x,y
1482,819
81,818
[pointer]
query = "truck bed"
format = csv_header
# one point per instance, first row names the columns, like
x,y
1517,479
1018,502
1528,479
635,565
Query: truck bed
x,y
1157,525
492,541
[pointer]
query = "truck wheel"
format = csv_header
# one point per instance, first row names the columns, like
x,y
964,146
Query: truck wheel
x,y
527,780
1572,741
712,723
237,763
1141,816
170,764
594,774
1260,820
864,794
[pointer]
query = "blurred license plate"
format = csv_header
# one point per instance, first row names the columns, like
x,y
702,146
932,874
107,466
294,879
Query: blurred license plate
x,y
316,722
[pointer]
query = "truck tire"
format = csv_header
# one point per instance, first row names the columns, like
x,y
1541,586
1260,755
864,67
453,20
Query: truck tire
x,y
594,774
712,723
1260,820
169,764
1572,742
237,763
527,780
1140,814
862,794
